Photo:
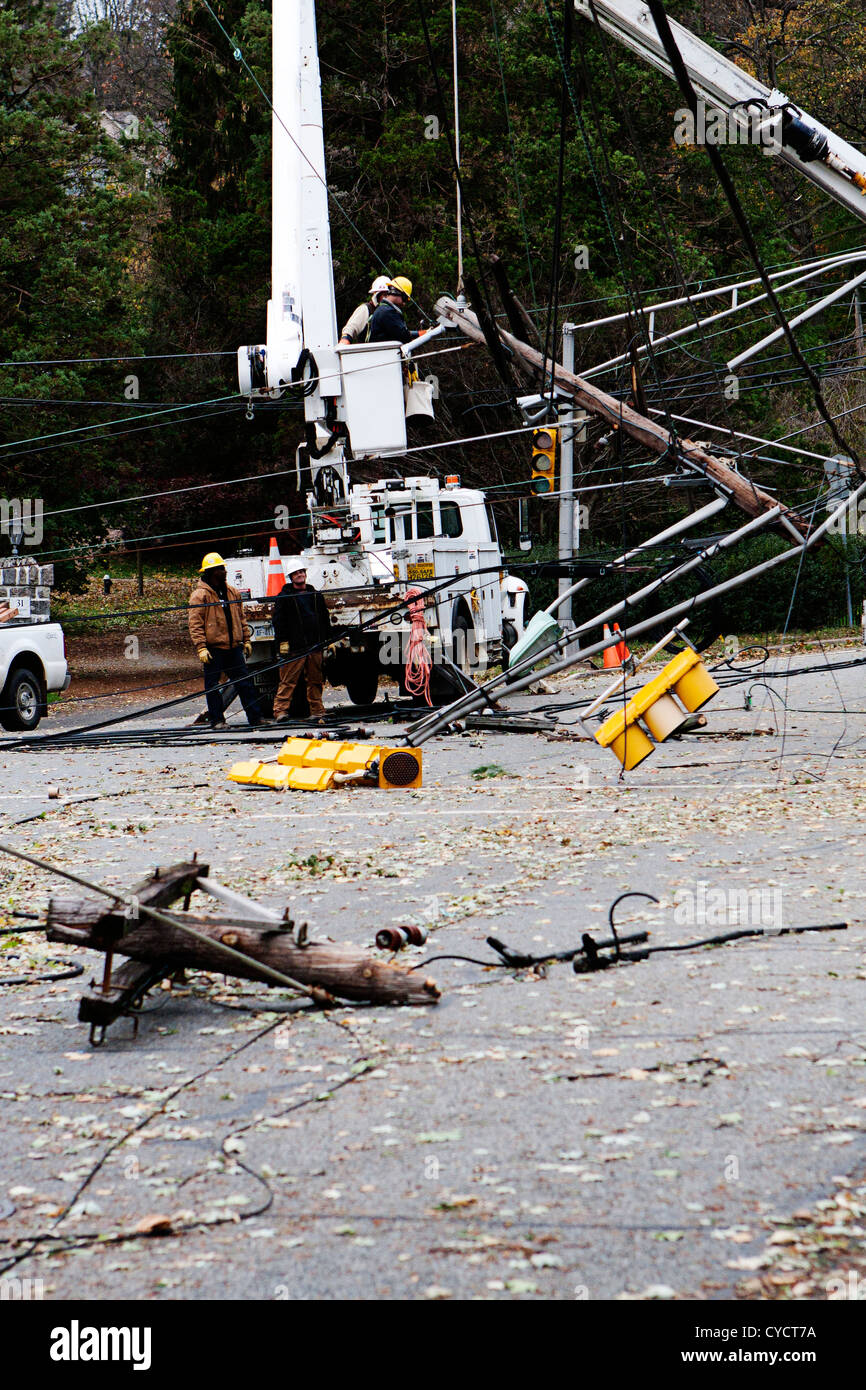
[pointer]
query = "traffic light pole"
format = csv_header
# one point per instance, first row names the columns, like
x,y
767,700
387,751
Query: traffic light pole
x,y
568,542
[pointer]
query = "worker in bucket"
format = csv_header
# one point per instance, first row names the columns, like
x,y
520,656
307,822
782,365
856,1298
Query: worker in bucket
x,y
221,636
355,330
387,324
301,623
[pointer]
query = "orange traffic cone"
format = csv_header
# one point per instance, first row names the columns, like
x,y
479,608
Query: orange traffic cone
x,y
276,575
611,654
621,648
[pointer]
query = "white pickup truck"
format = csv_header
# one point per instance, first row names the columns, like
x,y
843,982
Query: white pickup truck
x,y
32,664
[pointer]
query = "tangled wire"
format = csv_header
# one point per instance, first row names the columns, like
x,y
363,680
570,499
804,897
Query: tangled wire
x,y
418,663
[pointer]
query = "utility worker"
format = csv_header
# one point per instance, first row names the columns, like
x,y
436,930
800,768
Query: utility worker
x,y
301,621
387,323
356,328
221,636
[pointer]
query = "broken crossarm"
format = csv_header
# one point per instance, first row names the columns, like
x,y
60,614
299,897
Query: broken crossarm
x,y
260,951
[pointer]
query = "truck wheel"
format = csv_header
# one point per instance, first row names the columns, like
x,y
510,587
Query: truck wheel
x,y
509,640
362,682
463,643
21,701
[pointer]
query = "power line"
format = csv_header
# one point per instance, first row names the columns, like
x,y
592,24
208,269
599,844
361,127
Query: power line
x,y
104,424
118,434
132,357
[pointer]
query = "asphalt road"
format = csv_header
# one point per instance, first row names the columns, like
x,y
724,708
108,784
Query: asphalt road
x,y
638,1132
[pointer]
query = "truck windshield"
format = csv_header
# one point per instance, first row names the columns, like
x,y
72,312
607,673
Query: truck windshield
x,y
377,515
452,521
425,528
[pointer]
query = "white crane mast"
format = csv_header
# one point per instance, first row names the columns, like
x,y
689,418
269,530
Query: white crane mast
x,y
355,392
285,337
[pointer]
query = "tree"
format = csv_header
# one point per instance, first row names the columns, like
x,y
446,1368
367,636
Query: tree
x,y
71,204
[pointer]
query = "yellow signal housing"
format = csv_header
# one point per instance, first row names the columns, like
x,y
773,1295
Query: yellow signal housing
x,y
543,478
685,677
400,768
311,764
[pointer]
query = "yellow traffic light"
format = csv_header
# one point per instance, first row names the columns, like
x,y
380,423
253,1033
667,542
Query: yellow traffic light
x,y
543,460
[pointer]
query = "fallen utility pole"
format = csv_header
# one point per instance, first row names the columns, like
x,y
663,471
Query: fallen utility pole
x,y
648,432
258,945
348,972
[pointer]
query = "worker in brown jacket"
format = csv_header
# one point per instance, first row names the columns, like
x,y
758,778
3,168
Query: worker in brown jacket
x,y
221,636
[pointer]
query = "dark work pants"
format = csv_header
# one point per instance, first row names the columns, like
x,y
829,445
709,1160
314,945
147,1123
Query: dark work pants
x,y
232,662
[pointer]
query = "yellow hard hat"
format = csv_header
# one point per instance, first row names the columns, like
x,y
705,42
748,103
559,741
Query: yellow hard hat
x,y
403,285
211,561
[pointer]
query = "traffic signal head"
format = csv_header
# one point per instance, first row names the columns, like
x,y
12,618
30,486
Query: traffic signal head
x,y
543,460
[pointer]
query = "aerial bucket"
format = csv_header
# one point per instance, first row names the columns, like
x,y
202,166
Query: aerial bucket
x,y
540,631
419,399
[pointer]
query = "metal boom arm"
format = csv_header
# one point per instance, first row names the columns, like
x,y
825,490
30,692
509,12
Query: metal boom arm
x,y
808,146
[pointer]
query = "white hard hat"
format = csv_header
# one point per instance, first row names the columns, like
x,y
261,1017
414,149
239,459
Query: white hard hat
x,y
380,285
293,564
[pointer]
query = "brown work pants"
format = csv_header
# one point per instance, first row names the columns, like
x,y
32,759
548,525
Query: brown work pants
x,y
290,674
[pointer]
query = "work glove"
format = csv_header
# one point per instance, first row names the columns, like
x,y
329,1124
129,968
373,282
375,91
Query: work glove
x,y
284,649
204,655
248,648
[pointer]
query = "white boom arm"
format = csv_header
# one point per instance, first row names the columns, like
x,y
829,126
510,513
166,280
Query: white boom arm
x,y
358,389
302,309
808,146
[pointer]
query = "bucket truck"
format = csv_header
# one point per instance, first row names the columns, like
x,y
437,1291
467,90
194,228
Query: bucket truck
x,y
368,541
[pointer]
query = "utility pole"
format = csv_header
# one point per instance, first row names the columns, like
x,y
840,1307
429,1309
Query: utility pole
x,y
566,477
569,529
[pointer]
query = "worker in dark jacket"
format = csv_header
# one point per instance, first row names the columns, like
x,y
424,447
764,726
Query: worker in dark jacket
x,y
387,324
301,621
221,636
355,330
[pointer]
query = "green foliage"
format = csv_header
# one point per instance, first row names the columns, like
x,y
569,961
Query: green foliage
x,y
72,212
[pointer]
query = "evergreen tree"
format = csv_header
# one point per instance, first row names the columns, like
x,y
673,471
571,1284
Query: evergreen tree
x,y
72,211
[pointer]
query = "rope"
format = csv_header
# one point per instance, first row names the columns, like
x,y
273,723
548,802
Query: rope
x,y
418,662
